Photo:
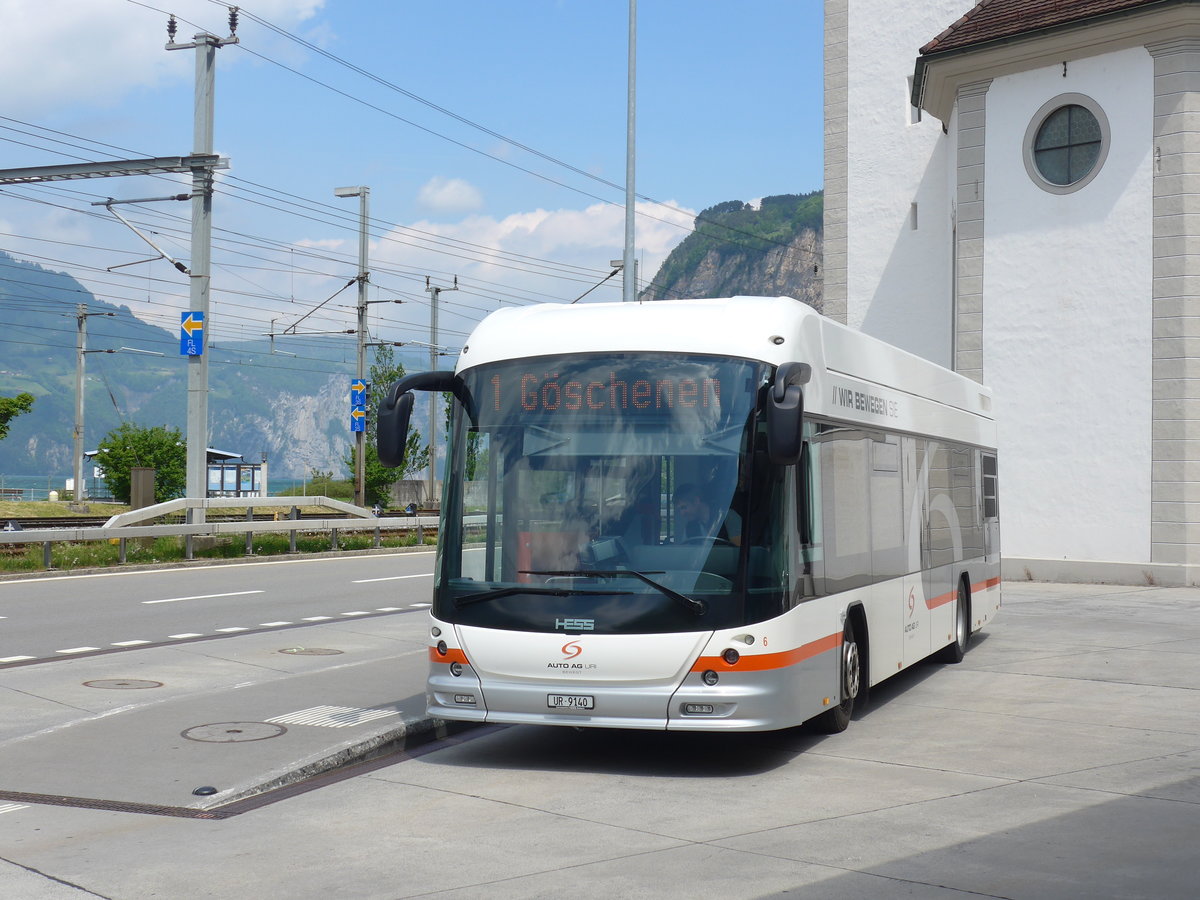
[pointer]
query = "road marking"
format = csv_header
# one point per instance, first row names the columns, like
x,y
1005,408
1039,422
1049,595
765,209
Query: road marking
x,y
78,650
333,716
388,609
200,597
8,659
391,578
317,618
419,605
231,630
128,643
12,807
357,612
272,624
180,637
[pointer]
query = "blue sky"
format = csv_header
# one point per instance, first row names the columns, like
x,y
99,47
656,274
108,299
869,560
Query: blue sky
x,y
729,108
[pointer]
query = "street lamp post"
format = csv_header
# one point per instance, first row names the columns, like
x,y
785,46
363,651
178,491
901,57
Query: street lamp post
x,y
362,193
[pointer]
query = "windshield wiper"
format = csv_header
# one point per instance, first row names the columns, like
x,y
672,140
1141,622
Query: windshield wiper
x,y
481,596
691,604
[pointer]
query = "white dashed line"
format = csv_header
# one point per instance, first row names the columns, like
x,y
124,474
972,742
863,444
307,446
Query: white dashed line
x,y
233,630
129,643
388,609
8,659
180,637
317,618
78,650
200,597
419,605
273,624
357,612
391,578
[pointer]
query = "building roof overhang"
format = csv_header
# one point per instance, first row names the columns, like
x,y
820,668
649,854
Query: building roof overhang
x,y
940,74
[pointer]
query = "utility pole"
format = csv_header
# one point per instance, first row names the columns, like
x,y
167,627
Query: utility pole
x,y
81,317
629,273
205,46
362,193
434,292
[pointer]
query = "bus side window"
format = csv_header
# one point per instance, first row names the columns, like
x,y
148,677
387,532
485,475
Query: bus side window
x,y
808,516
991,500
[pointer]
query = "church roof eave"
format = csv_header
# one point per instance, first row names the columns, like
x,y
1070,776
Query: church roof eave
x,y
939,73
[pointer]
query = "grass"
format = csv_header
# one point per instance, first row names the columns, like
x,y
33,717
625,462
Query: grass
x,y
148,551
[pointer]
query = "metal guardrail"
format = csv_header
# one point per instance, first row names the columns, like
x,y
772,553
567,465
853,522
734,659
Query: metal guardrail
x,y
121,527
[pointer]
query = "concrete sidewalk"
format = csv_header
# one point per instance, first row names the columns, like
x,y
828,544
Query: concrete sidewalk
x,y
146,728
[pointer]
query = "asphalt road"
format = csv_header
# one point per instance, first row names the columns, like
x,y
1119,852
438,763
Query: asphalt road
x,y
76,615
1060,759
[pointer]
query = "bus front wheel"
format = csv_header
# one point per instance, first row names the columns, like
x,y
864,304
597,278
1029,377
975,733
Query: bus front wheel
x,y
836,720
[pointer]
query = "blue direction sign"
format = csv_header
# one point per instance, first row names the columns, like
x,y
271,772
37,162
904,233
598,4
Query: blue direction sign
x,y
358,392
191,333
358,418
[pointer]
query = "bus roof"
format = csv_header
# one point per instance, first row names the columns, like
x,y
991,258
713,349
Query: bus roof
x,y
847,364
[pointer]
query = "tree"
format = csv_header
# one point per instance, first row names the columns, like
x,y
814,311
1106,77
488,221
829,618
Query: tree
x,y
160,448
11,407
377,478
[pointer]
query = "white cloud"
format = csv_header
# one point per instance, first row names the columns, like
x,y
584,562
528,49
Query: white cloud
x,y
449,195
64,52
541,255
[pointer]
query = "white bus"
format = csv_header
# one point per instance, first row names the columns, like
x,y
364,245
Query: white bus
x,y
702,515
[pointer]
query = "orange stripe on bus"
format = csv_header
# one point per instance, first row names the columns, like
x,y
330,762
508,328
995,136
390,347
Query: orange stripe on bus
x,y
453,654
986,585
760,662
942,600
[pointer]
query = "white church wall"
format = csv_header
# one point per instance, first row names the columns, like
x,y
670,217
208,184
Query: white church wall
x,y
1067,323
899,256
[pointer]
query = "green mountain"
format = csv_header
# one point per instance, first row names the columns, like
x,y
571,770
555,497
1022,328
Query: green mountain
x,y
773,249
292,404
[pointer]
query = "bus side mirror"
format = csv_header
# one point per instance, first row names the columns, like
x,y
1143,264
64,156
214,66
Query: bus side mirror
x,y
785,413
395,410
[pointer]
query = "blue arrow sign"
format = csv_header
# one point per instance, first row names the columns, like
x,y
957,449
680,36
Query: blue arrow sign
x,y
191,333
358,392
358,418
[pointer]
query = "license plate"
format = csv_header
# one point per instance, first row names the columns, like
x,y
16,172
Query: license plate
x,y
570,701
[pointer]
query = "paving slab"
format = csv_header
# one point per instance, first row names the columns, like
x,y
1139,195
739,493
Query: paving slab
x,y
238,716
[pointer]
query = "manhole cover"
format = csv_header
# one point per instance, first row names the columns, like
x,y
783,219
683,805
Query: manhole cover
x,y
311,651
233,732
123,684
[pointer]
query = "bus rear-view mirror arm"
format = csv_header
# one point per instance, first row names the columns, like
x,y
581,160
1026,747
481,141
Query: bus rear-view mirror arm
x,y
396,409
785,413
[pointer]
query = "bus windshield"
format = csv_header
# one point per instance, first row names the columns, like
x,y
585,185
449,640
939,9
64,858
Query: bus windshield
x,y
601,493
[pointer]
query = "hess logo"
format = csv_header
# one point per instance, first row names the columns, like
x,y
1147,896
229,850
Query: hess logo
x,y
571,649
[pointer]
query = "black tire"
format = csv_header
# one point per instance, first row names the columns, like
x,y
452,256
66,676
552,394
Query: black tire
x,y
837,719
957,649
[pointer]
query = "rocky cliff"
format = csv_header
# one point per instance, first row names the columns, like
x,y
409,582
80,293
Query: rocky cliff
x,y
773,249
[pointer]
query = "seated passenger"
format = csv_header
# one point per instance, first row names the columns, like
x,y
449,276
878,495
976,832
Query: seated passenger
x,y
696,519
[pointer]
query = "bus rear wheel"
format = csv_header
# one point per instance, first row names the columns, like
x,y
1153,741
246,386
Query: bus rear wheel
x,y
836,720
957,649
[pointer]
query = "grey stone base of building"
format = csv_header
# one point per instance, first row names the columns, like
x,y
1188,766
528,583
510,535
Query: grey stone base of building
x,y
1088,571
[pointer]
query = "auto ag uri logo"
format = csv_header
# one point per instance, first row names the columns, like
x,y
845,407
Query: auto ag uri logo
x,y
571,649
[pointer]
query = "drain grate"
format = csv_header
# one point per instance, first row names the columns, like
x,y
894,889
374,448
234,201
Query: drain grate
x,y
123,684
310,651
233,732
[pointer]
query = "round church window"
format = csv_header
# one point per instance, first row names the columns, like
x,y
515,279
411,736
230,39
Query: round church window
x,y
1066,143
